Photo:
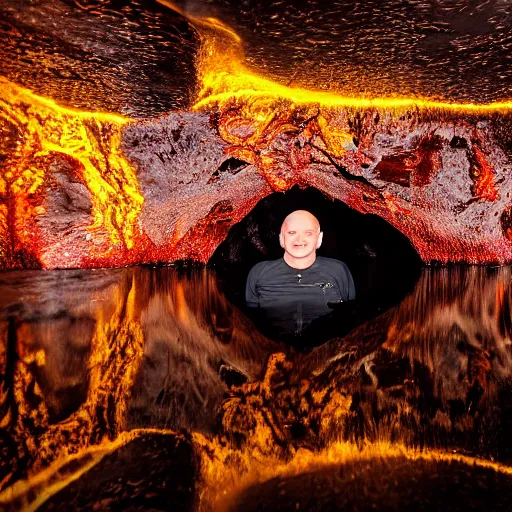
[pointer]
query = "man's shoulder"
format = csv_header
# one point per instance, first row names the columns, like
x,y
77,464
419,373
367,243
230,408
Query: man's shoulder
x,y
339,272
264,267
331,263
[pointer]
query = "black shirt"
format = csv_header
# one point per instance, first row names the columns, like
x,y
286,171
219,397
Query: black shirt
x,y
292,298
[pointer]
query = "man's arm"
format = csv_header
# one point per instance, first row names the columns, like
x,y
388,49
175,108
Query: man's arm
x,y
345,281
251,296
351,289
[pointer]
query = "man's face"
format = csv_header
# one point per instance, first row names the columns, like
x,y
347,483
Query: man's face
x,y
300,235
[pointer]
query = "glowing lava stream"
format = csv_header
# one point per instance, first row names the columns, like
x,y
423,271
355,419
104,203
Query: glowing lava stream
x,y
224,86
224,77
93,139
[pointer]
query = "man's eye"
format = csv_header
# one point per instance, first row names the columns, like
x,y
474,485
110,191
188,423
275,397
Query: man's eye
x,y
291,232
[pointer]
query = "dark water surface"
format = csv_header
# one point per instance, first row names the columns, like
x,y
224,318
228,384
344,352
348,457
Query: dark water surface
x,y
88,354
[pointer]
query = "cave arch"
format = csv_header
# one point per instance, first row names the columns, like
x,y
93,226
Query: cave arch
x,y
382,260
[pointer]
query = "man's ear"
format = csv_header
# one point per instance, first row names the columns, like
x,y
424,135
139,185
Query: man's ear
x,y
320,238
281,241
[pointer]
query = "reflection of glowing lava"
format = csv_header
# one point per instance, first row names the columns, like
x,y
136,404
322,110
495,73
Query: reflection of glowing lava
x,y
370,473
154,341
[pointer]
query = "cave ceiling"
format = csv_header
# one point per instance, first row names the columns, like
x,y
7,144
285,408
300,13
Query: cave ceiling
x,y
137,58
132,58
448,50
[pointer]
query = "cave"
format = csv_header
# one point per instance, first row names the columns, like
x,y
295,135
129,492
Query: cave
x,y
382,261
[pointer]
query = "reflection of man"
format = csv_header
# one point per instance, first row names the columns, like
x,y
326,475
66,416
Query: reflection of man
x,y
294,290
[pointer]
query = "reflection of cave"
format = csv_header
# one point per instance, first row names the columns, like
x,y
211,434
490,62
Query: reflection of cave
x,y
383,262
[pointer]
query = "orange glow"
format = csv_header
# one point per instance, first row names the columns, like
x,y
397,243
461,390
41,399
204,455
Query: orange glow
x,y
125,314
483,177
220,86
224,476
29,495
225,78
207,22
116,354
91,139
256,110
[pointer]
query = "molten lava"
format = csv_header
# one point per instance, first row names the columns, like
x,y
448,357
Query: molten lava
x,y
43,134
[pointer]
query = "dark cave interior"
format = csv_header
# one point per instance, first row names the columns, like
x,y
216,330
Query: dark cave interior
x,y
383,262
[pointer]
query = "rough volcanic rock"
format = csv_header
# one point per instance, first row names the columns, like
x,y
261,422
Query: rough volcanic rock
x,y
387,483
84,189
192,195
150,471
441,179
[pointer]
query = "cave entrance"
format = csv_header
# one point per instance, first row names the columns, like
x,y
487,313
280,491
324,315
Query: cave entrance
x,y
383,262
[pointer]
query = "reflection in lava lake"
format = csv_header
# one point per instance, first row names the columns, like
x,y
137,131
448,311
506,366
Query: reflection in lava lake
x,y
145,389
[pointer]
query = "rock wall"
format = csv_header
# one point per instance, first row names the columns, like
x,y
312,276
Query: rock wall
x,y
171,188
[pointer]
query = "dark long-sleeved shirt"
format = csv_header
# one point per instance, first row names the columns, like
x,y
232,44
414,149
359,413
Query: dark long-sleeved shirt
x,y
292,298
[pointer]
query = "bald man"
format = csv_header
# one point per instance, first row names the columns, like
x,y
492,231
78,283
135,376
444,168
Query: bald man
x,y
294,290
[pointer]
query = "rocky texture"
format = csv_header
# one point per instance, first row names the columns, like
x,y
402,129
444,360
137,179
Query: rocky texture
x,y
137,58
152,472
193,191
83,189
173,187
443,181
132,58
390,484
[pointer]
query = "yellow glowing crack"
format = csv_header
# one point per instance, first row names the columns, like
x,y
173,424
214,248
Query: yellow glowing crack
x,y
92,139
221,86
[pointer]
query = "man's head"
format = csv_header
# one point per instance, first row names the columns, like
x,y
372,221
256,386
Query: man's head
x,y
300,237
